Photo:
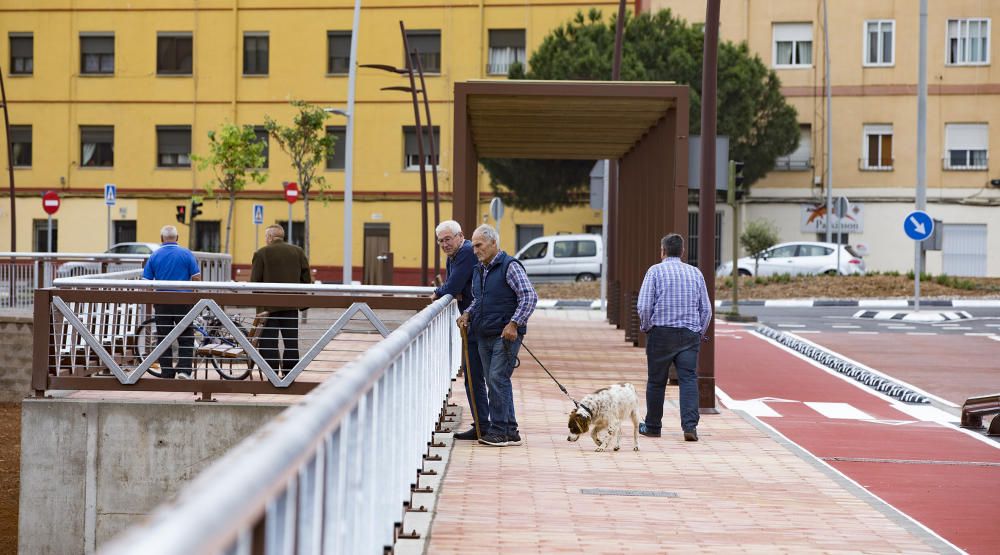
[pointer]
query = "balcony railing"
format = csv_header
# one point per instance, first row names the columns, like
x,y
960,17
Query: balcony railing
x,y
876,165
793,164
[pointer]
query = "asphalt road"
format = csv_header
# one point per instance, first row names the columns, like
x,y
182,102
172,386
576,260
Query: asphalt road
x,y
801,320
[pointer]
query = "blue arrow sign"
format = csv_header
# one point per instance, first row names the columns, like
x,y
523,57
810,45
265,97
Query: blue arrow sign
x,y
110,193
918,225
258,214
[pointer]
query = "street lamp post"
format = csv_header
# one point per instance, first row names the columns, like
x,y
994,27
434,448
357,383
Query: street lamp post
x,y
433,153
10,170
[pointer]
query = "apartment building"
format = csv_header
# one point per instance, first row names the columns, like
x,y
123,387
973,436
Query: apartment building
x,y
123,93
873,53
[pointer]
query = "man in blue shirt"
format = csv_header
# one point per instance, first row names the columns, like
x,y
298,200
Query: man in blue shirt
x,y
674,312
503,300
460,265
172,262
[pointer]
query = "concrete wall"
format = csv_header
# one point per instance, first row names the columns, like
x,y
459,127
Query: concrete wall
x,y
15,357
92,468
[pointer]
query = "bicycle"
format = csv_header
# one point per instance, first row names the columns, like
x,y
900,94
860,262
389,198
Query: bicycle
x,y
210,335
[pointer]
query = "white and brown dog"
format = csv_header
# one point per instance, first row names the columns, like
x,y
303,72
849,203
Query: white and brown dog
x,y
603,412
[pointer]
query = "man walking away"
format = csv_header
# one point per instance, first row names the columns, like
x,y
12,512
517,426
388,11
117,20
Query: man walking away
x,y
460,266
280,262
503,300
674,312
172,262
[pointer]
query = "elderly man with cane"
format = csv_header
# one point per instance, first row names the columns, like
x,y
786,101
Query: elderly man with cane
x,y
460,265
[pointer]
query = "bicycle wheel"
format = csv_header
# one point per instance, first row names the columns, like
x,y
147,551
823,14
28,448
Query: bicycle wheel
x,y
232,368
143,343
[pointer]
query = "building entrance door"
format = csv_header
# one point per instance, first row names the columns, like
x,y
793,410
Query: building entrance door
x,y
378,258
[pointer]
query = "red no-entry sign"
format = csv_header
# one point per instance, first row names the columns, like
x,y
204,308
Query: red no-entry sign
x,y
50,202
291,192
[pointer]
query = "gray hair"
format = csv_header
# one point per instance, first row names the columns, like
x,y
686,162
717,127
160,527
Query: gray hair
x,y
488,233
672,245
451,226
168,232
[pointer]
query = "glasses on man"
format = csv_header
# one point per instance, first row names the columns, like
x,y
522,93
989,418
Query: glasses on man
x,y
448,239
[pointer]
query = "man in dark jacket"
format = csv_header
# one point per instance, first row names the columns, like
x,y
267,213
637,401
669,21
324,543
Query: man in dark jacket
x,y
460,265
503,300
280,262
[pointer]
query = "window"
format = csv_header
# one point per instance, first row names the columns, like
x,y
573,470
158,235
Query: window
x,y
173,146
22,54
206,235
527,233
20,144
97,146
97,54
255,53
814,250
574,249
124,232
506,47
428,47
338,52
877,147
788,251
966,145
792,45
879,44
174,53
339,134
801,158
261,132
538,250
691,252
298,232
412,157
40,235
968,42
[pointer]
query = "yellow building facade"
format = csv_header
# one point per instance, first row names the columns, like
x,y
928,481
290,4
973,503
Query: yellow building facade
x,y
873,52
120,93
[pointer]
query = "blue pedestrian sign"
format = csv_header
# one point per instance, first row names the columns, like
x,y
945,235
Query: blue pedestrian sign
x,y
110,193
258,214
918,225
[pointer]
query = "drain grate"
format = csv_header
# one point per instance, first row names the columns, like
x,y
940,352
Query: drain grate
x,y
627,492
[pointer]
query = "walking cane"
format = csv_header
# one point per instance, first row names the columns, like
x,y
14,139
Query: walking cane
x,y
468,381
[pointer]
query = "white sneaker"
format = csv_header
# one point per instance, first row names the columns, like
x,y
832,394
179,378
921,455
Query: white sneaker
x,y
184,376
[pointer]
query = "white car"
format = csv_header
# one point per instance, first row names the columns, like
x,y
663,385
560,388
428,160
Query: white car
x,y
79,268
563,257
800,257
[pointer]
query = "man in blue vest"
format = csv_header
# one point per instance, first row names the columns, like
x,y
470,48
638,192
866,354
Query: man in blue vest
x,y
460,266
503,300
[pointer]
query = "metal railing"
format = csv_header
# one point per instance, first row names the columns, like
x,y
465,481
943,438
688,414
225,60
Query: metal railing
x,y
793,164
23,272
93,333
332,473
876,164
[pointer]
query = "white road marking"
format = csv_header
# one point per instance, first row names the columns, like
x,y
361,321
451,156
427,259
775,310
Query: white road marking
x,y
808,331
920,333
901,327
925,413
995,338
791,325
841,411
862,333
960,328
754,407
979,334
844,326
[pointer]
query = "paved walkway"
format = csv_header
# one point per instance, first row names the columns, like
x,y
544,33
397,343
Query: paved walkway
x,y
739,489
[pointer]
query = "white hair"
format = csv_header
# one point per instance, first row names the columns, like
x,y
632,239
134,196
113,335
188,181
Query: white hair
x,y
168,232
451,226
488,233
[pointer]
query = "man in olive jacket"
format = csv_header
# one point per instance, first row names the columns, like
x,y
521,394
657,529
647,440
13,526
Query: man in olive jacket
x,y
280,262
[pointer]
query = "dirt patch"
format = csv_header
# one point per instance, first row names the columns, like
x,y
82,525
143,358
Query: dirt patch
x,y
10,466
813,287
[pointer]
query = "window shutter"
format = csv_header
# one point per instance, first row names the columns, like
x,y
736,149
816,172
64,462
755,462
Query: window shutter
x,y
967,136
506,38
97,134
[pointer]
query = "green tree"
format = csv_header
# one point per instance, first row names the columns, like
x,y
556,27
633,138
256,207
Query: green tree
x,y
235,156
657,47
758,236
308,144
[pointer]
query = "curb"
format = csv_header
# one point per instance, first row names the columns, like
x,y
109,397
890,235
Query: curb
x,y
867,303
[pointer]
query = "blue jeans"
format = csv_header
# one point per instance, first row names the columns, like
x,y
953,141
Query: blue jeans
x,y
498,360
679,346
478,379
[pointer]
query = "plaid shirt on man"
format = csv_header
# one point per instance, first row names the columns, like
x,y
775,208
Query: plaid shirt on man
x,y
518,280
674,295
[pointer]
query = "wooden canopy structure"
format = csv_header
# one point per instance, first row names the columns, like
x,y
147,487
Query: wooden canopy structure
x,y
643,125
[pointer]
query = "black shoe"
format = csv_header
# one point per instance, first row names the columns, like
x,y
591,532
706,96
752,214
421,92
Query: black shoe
x,y
514,439
468,435
646,431
495,440
691,436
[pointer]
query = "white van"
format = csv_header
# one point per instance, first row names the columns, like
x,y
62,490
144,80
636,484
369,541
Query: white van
x,y
563,257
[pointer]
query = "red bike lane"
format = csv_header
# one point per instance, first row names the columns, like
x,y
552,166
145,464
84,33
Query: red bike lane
x,y
940,476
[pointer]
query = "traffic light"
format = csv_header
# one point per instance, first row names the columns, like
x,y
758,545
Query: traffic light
x,y
739,175
181,212
195,209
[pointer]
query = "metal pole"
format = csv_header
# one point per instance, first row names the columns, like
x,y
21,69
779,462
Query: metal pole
x,y
609,270
604,237
256,237
10,171
829,127
110,241
420,153
289,223
731,194
706,198
434,161
921,195
50,235
348,271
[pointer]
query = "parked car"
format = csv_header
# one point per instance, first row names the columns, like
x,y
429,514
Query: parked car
x,y
801,257
79,268
563,257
